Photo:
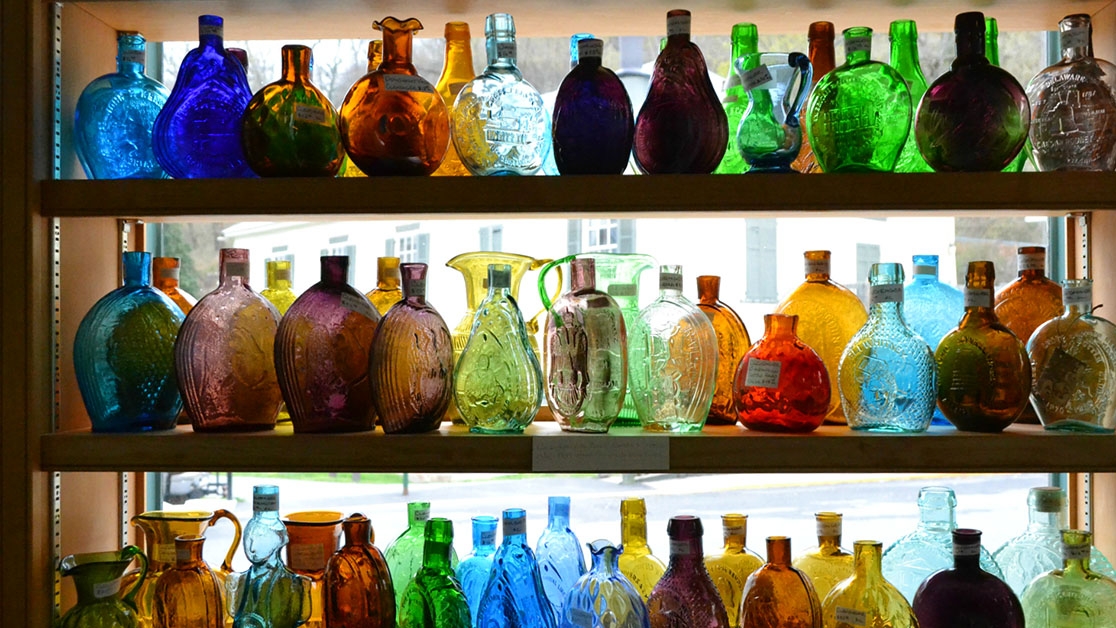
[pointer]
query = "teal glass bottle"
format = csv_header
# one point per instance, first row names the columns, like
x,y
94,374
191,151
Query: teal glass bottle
x,y
473,572
931,308
559,554
404,554
1073,594
904,58
745,41
497,381
434,598
514,596
604,597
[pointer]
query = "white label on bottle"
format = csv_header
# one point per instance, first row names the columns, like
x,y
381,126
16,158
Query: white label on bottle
x,y
359,304
1081,296
169,273
829,527
851,616
967,549
236,269
670,281
134,56
581,619
308,557
858,44
756,77
763,373
310,113
182,555
1032,261
817,266
515,527
679,548
920,269
214,30
1076,552
623,290
164,552
678,25
265,503
421,515
488,537
417,288
407,83
886,293
590,49
505,50
731,531
1075,38
102,590
978,297
283,274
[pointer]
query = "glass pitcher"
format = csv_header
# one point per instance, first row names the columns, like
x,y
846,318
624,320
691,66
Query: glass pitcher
x,y
770,134
97,579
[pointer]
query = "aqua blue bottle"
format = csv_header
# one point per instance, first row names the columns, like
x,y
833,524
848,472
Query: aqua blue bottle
x,y
114,116
473,572
559,554
604,597
514,596
931,308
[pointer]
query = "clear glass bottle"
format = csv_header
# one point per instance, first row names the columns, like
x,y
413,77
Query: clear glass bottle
x,y
778,594
1074,594
904,58
867,598
388,290
732,343
165,272
357,590
965,594
769,136
637,562
278,290
514,596
559,554
745,41
433,598
730,569
593,121
828,563
823,61
457,70
685,595
930,308
604,597
672,359
1030,300
473,572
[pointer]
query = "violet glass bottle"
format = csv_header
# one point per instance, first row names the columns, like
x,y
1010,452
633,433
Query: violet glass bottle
x,y
966,595
322,354
593,124
686,595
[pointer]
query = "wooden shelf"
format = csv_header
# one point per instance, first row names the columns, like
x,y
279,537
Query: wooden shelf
x,y
1050,193
545,448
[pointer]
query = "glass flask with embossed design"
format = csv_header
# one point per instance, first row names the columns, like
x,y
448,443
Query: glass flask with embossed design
x,y
685,595
322,351
497,381
124,355
558,552
593,121
585,354
730,569
681,127
433,598
165,272
745,41
1030,300
829,315
393,121
904,58
866,598
604,597
992,51
769,135
190,593
225,355
197,133
314,537
500,125
1073,366
473,572
1073,105
411,362
388,290
859,115
457,70
930,308
965,594
984,375
114,116
637,562
781,384
375,56
278,290
887,375
778,594
732,343
1074,594
289,128
404,554
357,589
822,60
672,358
97,580
514,596
828,563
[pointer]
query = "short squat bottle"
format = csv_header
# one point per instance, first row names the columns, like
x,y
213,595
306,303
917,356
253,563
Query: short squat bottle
x,y
685,595
1074,592
779,594
828,563
732,343
357,590
730,569
604,596
558,552
637,562
514,596
966,594
1030,300
866,598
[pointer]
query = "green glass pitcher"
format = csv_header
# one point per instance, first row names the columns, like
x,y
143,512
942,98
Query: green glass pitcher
x,y
98,579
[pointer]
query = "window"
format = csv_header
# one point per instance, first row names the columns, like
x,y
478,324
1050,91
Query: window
x,y
413,248
866,255
492,238
601,235
760,263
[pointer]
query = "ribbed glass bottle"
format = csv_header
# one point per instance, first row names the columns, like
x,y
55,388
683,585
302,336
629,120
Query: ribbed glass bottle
x,y
558,552
823,61
514,596
473,572
685,595
732,343
604,597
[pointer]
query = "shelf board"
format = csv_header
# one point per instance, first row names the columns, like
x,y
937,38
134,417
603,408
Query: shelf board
x,y
545,448
1047,193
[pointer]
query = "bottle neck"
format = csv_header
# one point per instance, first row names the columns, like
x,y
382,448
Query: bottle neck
x,y
1076,37
502,50
484,538
436,555
559,518
937,518
357,532
417,515
188,552
778,551
866,560
633,531
131,54
606,561
278,278
234,267
583,275
459,57
904,52
966,557
397,51
1038,520
822,57
335,270
686,552
970,47
735,528
296,64
137,269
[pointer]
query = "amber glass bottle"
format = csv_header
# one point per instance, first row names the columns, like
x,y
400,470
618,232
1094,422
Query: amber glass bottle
x,y
189,594
823,60
730,569
1031,299
828,563
164,271
732,344
387,291
777,594
357,591
456,72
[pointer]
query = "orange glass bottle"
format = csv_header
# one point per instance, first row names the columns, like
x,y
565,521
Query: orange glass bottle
x,y
314,537
189,594
732,344
1031,299
357,592
456,72
823,61
777,594
165,271
375,56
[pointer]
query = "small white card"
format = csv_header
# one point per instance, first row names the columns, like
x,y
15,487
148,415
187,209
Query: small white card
x,y
1032,261
236,269
858,44
407,83
590,49
763,373
679,548
670,281
1076,552
134,56
514,527
1081,296
817,267
505,50
887,293
623,290
829,528
212,30
168,273
756,77
488,537
265,503
307,557
678,25
978,297
966,550
851,616
359,304
164,553
1075,38
310,113
736,531
422,514
102,590
417,288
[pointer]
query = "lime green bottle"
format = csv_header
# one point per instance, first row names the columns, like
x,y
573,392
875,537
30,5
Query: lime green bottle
x,y
745,41
904,58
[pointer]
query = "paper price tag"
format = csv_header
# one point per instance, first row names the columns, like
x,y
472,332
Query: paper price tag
x,y
581,619
590,49
169,273
736,531
679,548
1075,38
756,77
1048,501
920,269
102,590
1076,552
417,288
678,25
283,274
851,617
309,557
829,528
506,50
1081,296
488,537
1032,261
236,269
623,290
858,44
513,527
357,303
164,552
763,373
817,267
212,30
978,297
310,113
407,83
134,56
265,503
670,281
888,293
182,555
421,515
966,550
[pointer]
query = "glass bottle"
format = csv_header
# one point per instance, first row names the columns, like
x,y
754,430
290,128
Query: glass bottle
x,y
165,271
685,595
1073,362
411,361
828,563
393,121
992,51
778,594
888,377
124,355
278,290
457,70
558,551
268,595
637,562
1073,105
388,290
473,572
289,128
1031,299
732,343
909,560
672,360
859,115
585,352
829,315
357,590
966,594
604,597
114,115
593,121
497,380
974,117
404,554
823,61
730,569
224,357
1073,595
322,351
984,376
375,56
500,125
681,127
314,536
745,41
781,384
189,594
434,599
197,133
866,598
514,596
904,58
930,307
97,580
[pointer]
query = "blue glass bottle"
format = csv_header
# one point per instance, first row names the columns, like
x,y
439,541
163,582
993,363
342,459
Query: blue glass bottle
x,y
559,554
604,597
887,375
474,570
593,120
514,596
197,134
114,116
124,355
930,307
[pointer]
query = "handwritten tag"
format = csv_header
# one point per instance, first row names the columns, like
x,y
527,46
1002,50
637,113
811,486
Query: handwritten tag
x,y
357,303
756,77
763,373
421,515
310,113
858,44
679,548
978,297
169,273
134,56
972,549
829,528
265,503
678,25
670,281
236,269
732,531
164,552
309,557
102,590
887,293
920,269
623,290
1032,261
488,537
851,617
1075,38
212,30
590,49
817,267
562,453
505,50
417,288
514,527
407,83
182,555
1081,296
1076,552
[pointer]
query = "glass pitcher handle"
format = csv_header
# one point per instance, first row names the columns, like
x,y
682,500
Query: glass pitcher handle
x,y
806,72
131,551
226,566
543,294
533,324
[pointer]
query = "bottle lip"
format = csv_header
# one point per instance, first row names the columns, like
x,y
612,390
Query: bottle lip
x,y
969,22
822,30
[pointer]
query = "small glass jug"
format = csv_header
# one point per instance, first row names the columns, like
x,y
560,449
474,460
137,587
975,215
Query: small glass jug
x,y
97,578
770,134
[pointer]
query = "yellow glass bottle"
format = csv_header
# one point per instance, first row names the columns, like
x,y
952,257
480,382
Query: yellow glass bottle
x,y
1031,299
387,291
637,562
375,56
165,272
456,72
278,290
829,315
730,569
828,563
867,599
732,344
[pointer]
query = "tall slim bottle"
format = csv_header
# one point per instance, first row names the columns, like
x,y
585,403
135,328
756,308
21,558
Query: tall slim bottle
x,y
966,595
278,289
457,70
732,343
730,569
823,60
828,563
904,58
637,562
434,599
388,290
866,598
559,554
514,596
473,572
745,40
685,595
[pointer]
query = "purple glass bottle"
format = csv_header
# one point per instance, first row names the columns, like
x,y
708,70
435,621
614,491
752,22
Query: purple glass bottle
x,y
412,361
966,595
593,121
224,356
686,595
322,354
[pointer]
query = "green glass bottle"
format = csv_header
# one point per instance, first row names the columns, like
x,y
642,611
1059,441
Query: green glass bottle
x,y
434,599
745,41
1074,595
992,51
904,58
